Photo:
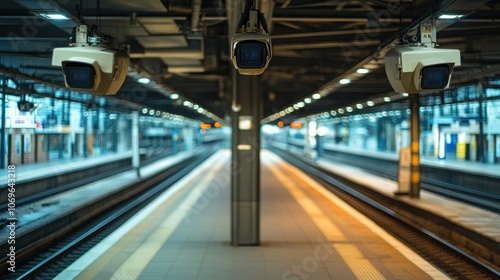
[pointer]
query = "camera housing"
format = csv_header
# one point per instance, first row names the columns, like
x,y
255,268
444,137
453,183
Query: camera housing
x,y
251,52
415,69
93,69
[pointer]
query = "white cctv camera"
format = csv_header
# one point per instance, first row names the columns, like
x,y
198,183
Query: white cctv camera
x,y
420,69
251,53
93,69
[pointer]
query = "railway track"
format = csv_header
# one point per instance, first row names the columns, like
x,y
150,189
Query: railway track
x,y
47,262
105,170
454,261
389,169
470,196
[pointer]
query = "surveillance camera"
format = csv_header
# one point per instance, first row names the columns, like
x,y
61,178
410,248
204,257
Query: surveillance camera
x,y
93,69
420,69
251,52
25,106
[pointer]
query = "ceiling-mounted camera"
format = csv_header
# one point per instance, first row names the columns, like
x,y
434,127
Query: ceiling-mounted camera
x,y
90,65
24,105
420,67
251,48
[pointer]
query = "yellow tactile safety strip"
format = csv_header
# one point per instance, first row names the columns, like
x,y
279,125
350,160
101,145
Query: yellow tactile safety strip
x,y
137,262
361,267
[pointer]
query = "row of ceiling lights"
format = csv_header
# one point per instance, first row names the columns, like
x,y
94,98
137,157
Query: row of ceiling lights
x,y
176,96
155,115
371,116
357,106
316,96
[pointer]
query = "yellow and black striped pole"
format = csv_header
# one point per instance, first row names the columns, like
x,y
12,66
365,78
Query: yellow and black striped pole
x,y
415,145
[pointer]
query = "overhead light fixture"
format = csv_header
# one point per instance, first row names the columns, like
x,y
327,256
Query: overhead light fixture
x,y
144,80
362,71
174,96
345,81
51,15
387,99
449,16
307,100
370,103
316,96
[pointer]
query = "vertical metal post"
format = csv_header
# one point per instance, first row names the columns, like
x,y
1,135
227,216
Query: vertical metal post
x,y
175,138
245,179
307,149
2,132
415,145
480,144
188,138
135,143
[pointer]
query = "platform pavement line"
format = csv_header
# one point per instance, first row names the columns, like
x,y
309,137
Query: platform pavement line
x,y
375,228
135,264
360,266
97,251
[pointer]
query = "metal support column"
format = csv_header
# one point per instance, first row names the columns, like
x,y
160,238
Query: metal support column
x,y
245,179
2,133
175,139
481,138
135,143
415,145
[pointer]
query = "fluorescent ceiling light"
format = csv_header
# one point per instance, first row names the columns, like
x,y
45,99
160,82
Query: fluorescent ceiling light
x,y
174,96
362,71
316,96
345,81
53,16
144,80
446,16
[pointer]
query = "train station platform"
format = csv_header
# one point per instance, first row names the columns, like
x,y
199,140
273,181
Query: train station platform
x,y
473,218
26,172
492,170
306,233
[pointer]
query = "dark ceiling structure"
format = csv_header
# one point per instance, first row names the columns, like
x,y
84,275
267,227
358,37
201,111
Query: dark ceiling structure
x,y
182,47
